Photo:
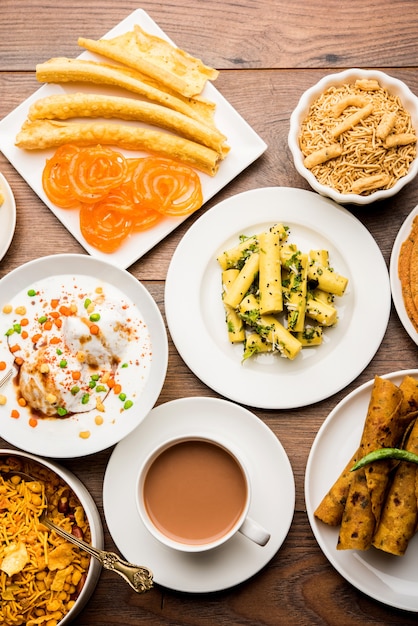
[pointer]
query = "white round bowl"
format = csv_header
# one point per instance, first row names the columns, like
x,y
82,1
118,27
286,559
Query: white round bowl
x,y
93,518
394,87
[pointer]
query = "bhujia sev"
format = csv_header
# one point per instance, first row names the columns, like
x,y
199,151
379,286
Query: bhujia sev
x,y
41,574
357,138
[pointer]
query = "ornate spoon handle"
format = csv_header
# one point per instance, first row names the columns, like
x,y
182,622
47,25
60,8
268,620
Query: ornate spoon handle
x,y
138,577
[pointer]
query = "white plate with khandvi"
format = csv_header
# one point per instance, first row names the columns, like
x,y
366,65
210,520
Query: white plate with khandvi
x,y
284,364
162,121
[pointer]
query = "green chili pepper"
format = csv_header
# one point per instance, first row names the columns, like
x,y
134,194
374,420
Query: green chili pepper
x,y
386,453
128,404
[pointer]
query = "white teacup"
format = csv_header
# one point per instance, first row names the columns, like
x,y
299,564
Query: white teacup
x,y
193,494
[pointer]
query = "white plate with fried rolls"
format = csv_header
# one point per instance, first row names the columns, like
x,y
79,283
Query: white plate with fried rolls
x,y
197,322
365,521
204,130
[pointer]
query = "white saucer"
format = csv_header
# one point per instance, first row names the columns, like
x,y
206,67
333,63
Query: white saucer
x,y
272,504
7,216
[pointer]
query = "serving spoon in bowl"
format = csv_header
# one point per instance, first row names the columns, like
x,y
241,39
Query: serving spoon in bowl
x,y
139,577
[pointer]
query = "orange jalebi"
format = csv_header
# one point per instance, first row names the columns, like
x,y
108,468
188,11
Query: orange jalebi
x,y
117,196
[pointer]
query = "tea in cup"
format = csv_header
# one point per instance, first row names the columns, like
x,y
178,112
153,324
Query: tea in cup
x,y
193,494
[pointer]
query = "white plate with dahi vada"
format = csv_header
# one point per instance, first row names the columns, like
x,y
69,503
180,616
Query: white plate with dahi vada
x,y
353,136
118,95
87,349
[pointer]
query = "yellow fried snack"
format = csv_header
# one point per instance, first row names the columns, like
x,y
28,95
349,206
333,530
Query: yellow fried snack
x,y
42,134
368,485
65,70
155,57
368,183
399,517
331,508
66,106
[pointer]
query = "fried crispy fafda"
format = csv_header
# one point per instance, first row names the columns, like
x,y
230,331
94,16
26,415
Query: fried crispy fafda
x,y
155,57
80,105
42,134
64,70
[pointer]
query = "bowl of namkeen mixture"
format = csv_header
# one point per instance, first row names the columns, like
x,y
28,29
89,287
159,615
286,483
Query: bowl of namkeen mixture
x,y
44,579
353,136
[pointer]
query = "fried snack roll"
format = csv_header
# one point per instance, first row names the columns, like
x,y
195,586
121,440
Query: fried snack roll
x,y
66,106
42,134
368,485
399,517
64,70
155,57
331,508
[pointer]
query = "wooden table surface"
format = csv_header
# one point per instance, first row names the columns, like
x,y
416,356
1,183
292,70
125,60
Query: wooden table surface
x,y
268,52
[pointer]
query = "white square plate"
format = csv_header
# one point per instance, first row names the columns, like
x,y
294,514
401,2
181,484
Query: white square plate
x,y
246,146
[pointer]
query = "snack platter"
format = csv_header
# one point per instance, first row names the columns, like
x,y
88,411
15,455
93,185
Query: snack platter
x,y
246,147
293,394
